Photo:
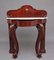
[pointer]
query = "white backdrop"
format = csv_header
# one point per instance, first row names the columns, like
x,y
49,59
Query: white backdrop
x,y
6,5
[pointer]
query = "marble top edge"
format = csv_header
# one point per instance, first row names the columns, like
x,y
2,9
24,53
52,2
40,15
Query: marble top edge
x,y
27,18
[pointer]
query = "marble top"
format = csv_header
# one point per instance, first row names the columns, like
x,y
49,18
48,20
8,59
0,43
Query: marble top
x,y
26,18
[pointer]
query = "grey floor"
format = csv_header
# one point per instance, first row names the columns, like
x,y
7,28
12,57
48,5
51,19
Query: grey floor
x,y
26,44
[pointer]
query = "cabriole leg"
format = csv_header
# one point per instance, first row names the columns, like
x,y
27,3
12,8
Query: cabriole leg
x,y
15,43
38,42
11,50
43,39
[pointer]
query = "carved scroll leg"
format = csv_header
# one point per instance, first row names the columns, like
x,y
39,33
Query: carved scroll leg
x,y
16,46
10,41
43,39
37,46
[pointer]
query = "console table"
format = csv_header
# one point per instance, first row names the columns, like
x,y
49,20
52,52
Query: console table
x,y
27,16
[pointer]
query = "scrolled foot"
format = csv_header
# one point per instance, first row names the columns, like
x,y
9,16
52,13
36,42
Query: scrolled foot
x,y
14,56
39,56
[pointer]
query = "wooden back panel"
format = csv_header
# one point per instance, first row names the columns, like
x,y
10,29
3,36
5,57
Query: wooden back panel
x,y
26,11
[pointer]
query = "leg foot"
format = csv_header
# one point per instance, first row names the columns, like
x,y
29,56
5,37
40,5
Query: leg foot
x,y
14,56
39,56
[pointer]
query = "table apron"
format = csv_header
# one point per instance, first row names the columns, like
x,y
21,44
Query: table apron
x,y
26,23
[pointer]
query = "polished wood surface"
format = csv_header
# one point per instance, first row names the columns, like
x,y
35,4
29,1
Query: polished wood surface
x,y
26,11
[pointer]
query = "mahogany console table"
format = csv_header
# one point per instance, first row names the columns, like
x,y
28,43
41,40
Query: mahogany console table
x,y
27,16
